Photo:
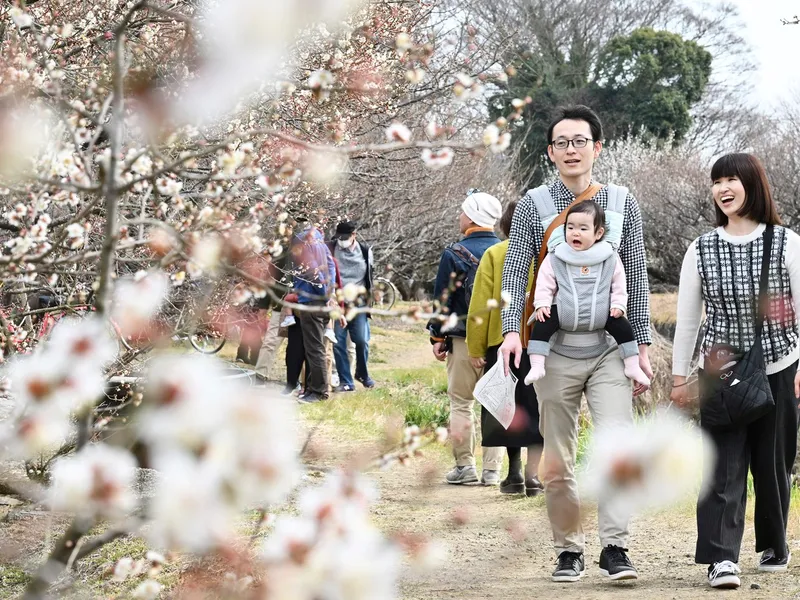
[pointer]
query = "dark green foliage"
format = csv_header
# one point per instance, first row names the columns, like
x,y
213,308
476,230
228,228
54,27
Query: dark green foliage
x,y
644,83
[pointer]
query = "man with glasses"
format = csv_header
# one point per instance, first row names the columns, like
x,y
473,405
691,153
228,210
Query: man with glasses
x,y
574,365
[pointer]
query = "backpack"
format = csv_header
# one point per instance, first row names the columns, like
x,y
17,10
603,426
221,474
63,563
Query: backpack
x,y
467,277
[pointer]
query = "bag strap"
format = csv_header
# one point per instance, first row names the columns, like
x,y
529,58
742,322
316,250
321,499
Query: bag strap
x,y
763,283
586,194
461,251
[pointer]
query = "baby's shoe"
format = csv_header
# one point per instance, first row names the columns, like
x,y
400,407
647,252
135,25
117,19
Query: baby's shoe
x,y
537,369
634,371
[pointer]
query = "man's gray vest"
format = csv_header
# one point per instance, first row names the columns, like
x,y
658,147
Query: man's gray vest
x,y
584,281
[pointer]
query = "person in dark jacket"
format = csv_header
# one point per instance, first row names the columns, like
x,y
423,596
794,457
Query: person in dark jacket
x,y
356,268
313,277
479,214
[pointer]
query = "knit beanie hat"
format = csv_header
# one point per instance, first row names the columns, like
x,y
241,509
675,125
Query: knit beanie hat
x,y
482,209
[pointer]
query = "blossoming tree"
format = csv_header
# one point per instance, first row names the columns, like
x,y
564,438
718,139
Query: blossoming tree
x,y
154,150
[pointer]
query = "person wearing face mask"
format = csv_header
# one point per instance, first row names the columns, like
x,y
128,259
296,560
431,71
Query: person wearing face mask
x,y
722,276
355,268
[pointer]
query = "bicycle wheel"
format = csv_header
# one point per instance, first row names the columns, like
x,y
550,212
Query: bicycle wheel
x,y
207,341
384,294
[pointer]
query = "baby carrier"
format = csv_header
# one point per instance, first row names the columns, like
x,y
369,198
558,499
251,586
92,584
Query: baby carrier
x,y
584,279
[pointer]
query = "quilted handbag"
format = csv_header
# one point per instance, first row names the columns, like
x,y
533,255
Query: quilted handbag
x,y
738,393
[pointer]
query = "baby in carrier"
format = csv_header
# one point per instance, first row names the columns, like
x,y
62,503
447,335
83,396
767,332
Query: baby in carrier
x,y
581,287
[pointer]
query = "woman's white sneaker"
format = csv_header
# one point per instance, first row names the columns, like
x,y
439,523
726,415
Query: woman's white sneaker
x,y
724,575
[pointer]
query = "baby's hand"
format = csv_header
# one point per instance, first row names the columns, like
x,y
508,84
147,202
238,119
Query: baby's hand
x,y
616,313
543,313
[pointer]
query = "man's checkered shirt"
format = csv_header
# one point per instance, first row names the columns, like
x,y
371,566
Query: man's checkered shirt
x,y
526,240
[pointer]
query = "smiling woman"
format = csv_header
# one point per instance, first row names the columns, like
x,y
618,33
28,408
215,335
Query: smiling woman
x,y
726,272
741,192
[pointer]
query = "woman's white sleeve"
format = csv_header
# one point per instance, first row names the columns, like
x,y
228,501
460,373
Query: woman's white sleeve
x,y
690,313
792,259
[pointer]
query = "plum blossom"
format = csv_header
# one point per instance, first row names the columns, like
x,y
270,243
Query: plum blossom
x,y
397,132
147,590
415,76
95,482
321,81
633,467
137,300
502,144
35,433
437,159
76,235
189,511
403,42
186,401
21,19
86,341
167,186
55,380
331,549
205,255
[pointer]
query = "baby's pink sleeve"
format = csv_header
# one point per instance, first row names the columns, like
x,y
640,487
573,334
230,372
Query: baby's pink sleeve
x,y
619,288
546,286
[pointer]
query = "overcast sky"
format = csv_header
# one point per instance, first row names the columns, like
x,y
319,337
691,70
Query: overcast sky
x,y
776,48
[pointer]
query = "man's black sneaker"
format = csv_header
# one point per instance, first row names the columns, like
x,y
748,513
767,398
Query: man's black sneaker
x,y
770,563
724,575
571,567
615,564
311,398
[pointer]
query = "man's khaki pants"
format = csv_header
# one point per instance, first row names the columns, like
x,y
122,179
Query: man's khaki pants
x,y
269,346
461,380
609,395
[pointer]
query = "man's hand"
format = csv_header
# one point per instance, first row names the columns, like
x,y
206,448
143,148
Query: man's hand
x,y
511,345
644,363
439,352
542,314
478,363
616,313
343,321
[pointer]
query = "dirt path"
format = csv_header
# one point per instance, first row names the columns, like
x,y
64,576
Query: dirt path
x,y
485,561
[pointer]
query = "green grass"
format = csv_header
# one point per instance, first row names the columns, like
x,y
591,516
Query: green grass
x,y
12,581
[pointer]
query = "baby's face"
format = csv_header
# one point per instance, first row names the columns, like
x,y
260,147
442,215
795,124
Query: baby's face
x,y
580,232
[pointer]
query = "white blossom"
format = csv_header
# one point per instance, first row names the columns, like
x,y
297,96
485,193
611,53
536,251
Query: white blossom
x,y
147,590
397,132
650,464
188,510
167,186
450,323
95,482
137,300
21,19
86,341
186,401
437,159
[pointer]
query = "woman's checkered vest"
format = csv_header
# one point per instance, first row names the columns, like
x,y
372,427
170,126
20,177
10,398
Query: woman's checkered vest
x,y
729,274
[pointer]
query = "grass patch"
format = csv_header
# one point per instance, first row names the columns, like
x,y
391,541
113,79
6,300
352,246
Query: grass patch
x,y
92,570
13,580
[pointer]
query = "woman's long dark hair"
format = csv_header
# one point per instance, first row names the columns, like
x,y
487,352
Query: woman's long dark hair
x,y
758,203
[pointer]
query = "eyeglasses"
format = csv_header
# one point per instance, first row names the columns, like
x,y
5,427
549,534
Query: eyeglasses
x,y
577,143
